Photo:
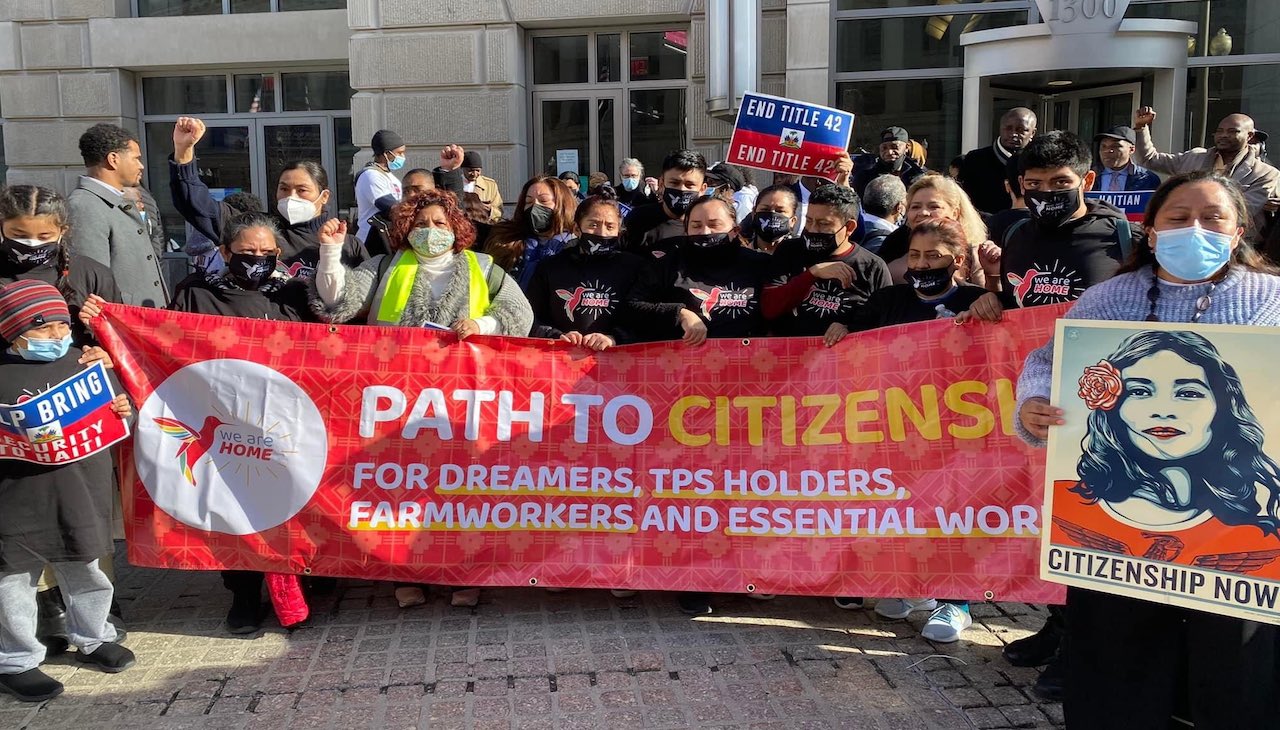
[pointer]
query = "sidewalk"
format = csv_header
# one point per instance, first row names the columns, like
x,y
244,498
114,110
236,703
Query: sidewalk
x,y
526,658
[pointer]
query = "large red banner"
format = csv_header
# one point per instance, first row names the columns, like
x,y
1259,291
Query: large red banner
x,y
886,466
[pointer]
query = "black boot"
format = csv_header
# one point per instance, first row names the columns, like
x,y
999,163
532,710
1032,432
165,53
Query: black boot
x,y
32,685
245,616
1039,648
51,622
1051,686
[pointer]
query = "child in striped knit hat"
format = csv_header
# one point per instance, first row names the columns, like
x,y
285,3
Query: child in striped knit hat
x,y
56,514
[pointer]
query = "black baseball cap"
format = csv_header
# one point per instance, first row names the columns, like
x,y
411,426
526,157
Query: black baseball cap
x,y
894,134
1121,132
722,173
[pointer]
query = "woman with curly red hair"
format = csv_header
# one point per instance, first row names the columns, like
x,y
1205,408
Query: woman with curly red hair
x,y
431,278
427,279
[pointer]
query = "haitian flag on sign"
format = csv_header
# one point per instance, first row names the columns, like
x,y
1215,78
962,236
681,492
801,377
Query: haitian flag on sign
x,y
1132,202
788,136
66,423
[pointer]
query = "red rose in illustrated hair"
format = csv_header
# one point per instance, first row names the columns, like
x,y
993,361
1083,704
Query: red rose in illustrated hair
x,y
1100,386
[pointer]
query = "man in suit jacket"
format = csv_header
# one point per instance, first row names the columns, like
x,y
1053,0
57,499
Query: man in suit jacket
x,y
107,227
1113,161
982,172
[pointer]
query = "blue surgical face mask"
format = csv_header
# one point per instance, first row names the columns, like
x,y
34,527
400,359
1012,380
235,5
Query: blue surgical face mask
x,y
630,183
1193,254
396,163
45,350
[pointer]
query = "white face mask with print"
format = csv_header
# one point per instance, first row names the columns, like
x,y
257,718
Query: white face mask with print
x,y
296,210
431,242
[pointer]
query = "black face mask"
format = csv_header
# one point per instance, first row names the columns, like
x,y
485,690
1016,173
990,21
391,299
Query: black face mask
x,y
679,201
931,282
540,218
1052,208
771,226
594,245
27,257
821,244
710,241
249,271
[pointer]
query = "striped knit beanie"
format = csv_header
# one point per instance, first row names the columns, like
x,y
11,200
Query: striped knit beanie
x,y
25,305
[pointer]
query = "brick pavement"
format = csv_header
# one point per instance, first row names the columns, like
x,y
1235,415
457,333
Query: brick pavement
x,y
526,658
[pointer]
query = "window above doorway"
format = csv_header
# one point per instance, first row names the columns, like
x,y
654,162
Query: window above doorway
x,y
167,8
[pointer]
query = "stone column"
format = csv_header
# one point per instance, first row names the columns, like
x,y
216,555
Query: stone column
x,y
438,73
808,70
710,135
49,92
454,71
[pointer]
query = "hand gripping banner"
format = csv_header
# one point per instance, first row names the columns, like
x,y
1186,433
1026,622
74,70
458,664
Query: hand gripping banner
x,y
885,466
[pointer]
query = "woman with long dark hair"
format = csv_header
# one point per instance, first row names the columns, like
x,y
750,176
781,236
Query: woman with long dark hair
x,y
1133,663
541,226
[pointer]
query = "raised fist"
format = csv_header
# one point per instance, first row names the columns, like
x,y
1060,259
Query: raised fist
x,y
451,157
1143,117
187,132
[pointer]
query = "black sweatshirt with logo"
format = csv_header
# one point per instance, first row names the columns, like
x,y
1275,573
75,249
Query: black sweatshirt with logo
x,y
574,291
1042,265
899,304
722,285
803,305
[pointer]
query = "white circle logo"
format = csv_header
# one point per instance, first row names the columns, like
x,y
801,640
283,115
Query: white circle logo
x,y
230,446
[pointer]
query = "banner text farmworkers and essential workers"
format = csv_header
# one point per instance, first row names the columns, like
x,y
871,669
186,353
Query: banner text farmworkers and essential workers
x,y
884,466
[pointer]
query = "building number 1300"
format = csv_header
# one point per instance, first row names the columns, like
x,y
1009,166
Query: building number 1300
x,y
1066,11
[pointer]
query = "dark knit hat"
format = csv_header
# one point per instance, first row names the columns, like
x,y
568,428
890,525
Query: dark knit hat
x,y
384,140
472,161
28,304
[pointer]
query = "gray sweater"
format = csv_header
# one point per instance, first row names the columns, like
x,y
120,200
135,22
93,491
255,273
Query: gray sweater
x,y
1243,297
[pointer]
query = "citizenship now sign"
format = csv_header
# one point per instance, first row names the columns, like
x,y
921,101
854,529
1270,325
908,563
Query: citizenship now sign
x,y
788,136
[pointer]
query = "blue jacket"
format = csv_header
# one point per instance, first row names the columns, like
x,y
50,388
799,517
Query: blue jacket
x,y
1140,178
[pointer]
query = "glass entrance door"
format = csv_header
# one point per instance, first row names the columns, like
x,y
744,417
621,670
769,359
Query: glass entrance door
x,y
288,140
577,132
225,156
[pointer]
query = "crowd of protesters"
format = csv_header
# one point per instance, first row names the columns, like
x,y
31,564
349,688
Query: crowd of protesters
x,y
696,251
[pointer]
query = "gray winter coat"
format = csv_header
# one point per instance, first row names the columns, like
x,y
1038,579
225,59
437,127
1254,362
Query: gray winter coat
x,y
507,305
108,229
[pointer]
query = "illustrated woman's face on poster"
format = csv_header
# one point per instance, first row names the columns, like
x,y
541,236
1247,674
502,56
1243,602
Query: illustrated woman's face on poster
x,y
1168,408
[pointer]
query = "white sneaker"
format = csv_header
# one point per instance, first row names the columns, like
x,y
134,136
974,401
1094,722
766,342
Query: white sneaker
x,y
903,607
946,623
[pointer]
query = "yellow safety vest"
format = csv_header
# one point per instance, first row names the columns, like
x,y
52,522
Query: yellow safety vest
x,y
397,284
